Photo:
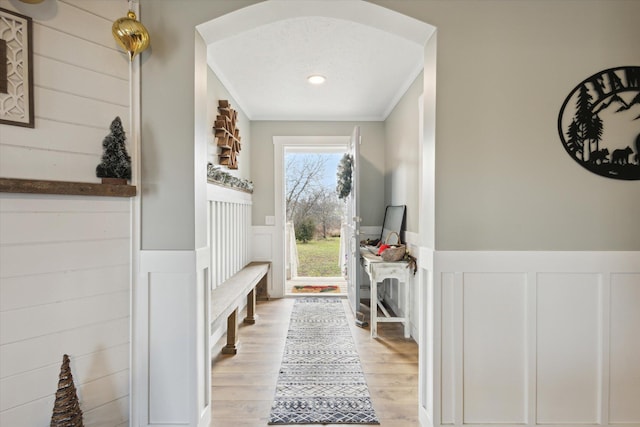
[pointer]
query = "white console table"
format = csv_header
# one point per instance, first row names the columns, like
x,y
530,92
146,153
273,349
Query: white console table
x,y
379,270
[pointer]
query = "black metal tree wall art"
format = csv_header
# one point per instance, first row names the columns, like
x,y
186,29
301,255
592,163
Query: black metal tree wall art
x,y
599,123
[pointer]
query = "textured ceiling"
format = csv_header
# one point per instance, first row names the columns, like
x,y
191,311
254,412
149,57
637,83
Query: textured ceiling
x,y
265,68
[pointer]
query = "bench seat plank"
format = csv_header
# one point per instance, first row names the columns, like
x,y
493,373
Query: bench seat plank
x,y
228,296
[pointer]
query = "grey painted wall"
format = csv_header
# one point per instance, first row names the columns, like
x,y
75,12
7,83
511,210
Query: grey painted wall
x,y
215,92
168,134
503,180
401,154
372,160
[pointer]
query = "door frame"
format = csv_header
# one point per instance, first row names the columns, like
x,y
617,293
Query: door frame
x,y
352,221
280,146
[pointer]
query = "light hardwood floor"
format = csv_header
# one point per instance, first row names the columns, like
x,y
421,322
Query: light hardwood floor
x,y
243,385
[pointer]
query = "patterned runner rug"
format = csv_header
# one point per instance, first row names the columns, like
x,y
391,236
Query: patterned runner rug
x,y
321,380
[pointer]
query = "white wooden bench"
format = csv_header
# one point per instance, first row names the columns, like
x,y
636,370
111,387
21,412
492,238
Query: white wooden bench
x,y
227,298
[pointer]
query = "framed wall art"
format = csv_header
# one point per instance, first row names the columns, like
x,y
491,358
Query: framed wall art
x,y
16,69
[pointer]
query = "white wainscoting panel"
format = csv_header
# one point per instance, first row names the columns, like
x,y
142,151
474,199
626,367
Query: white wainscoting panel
x,y
569,346
624,355
451,352
536,338
172,351
262,244
168,347
265,248
495,343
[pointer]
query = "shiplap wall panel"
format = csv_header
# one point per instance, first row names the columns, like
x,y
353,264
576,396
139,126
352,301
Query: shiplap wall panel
x,y
65,260
495,348
109,414
54,136
86,26
28,323
98,7
96,392
39,380
59,76
24,291
23,356
78,110
19,260
38,413
72,50
48,165
29,227
624,371
34,413
13,203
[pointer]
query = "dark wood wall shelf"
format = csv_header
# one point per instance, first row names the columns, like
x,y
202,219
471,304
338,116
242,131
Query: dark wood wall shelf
x,y
31,186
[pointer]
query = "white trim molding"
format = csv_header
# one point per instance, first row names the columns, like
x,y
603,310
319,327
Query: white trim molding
x,y
426,335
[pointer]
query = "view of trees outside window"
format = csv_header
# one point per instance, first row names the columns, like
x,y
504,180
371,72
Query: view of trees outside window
x,y
314,210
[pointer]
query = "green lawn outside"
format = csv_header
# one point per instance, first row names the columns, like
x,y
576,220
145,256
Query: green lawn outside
x,y
319,258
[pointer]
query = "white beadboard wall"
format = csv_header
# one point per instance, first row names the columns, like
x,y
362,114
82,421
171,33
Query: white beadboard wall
x,y
65,260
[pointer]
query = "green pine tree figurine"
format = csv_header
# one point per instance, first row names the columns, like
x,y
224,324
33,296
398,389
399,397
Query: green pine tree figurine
x,y
66,409
116,163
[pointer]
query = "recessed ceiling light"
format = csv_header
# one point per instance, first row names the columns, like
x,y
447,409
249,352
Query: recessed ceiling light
x,y
316,79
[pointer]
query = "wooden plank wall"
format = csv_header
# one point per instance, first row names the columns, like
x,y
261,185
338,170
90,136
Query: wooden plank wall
x,y
65,260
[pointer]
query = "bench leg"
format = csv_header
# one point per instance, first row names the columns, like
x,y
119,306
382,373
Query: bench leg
x,y
251,308
232,334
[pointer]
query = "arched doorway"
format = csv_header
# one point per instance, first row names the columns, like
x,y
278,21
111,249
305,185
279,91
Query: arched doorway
x,y
362,12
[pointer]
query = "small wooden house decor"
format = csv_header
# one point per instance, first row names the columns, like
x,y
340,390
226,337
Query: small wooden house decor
x,y
227,134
